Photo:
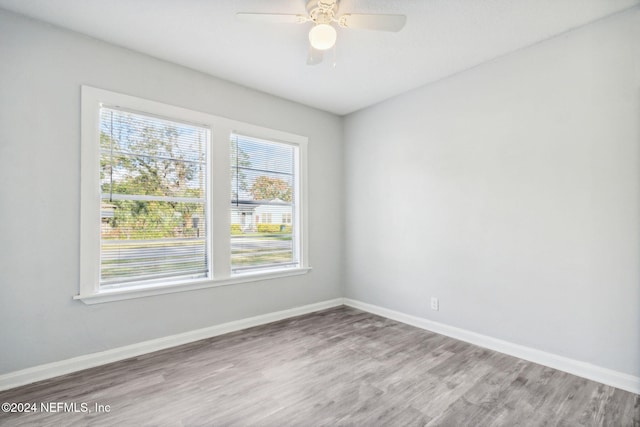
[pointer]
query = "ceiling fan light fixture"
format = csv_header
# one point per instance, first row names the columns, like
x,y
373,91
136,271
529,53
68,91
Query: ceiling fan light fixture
x,y
322,36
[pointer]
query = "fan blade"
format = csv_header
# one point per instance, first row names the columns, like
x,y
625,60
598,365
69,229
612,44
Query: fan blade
x,y
272,18
314,57
372,22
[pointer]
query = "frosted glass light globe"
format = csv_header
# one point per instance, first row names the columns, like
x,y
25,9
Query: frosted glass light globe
x,y
322,36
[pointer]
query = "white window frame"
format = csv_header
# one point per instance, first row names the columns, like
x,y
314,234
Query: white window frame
x,y
218,197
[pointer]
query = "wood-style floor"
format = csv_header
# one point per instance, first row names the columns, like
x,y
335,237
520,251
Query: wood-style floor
x,y
339,367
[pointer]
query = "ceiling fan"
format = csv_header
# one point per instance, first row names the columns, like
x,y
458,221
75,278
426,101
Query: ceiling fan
x,y
323,14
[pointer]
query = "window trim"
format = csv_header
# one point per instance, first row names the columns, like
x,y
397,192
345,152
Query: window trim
x,y
218,196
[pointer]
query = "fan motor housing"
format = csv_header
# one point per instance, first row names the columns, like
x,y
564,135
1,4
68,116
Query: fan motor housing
x,y
322,11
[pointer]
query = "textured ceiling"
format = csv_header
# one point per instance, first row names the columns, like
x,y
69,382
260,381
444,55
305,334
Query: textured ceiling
x,y
441,38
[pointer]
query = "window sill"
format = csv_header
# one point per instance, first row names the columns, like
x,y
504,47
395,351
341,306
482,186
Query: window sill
x,y
150,290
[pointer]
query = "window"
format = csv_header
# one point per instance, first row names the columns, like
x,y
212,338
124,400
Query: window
x,y
155,187
263,182
153,175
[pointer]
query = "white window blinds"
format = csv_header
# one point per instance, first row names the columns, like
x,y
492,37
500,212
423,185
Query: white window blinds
x,y
264,232
153,175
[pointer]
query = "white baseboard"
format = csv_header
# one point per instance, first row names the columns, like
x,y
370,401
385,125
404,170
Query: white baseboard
x,y
50,370
582,369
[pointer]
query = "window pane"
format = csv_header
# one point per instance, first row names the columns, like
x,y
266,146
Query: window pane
x,y
263,204
153,210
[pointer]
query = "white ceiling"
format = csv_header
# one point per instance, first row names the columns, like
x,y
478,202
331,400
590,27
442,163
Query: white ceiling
x,y
441,38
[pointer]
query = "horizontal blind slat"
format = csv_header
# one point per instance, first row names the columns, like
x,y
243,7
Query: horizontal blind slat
x,y
152,198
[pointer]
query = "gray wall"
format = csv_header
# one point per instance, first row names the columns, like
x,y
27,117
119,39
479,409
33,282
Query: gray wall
x,y
510,192
41,70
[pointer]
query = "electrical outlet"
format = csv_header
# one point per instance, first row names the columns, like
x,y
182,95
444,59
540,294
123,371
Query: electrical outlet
x,y
435,305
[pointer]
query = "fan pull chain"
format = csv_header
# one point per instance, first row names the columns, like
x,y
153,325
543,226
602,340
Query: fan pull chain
x,y
335,61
